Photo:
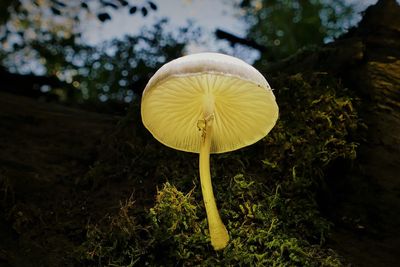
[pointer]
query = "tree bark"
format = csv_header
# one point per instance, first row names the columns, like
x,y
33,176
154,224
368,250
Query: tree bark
x,y
366,207
375,75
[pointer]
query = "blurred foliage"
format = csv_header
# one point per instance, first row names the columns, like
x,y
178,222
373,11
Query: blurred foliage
x,y
284,26
23,21
45,38
266,192
63,8
115,70
5,7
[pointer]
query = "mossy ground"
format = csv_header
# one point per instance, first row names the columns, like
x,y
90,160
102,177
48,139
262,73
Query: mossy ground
x,y
267,193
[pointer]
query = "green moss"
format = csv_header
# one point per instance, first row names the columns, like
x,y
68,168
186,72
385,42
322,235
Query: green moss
x,y
174,233
266,192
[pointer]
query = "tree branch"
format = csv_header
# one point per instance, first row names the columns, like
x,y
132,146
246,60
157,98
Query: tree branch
x,y
233,39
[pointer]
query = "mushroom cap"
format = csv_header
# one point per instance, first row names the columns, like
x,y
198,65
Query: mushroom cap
x,y
181,91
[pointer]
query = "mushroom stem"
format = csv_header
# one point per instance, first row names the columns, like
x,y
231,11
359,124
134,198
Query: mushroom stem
x,y
219,234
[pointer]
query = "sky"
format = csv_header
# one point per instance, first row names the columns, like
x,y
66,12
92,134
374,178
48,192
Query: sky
x,y
207,14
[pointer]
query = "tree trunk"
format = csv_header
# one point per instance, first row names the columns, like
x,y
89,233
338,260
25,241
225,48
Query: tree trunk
x,y
366,206
375,74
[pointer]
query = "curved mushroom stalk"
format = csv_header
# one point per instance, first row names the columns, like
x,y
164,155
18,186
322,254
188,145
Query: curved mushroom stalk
x,y
218,233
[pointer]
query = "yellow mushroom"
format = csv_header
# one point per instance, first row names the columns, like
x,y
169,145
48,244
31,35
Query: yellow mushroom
x,y
208,103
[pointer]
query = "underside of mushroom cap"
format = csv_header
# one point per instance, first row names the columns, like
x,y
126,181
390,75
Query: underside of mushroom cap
x,y
182,93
